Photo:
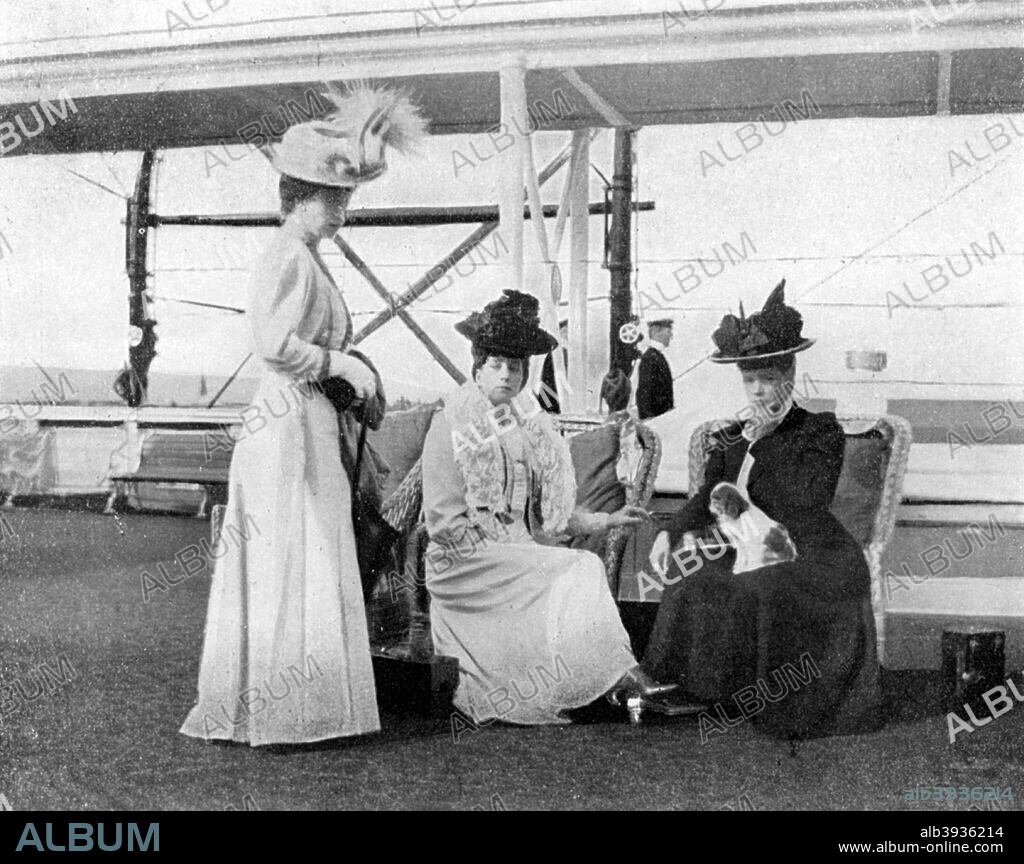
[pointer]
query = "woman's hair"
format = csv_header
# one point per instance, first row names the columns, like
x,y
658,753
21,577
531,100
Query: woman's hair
x,y
294,191
783,364
480,356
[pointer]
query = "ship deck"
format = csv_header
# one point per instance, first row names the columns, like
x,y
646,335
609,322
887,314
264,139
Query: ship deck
x,y
107,738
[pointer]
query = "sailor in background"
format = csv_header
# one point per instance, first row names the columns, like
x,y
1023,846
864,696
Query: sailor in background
x,y
654,389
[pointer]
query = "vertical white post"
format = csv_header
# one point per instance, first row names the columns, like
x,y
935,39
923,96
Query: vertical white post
x,y
514,123
545,279
579,244
943,83
561,220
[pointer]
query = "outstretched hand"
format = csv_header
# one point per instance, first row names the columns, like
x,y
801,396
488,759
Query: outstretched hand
x,y
659,553
631,514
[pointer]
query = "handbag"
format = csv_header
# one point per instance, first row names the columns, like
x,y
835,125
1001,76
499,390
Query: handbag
x,y
375,538
341,394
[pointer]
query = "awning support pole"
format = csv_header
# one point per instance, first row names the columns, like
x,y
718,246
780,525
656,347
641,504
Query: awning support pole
x,y
579,247
563,214
619,253
611,114
515,122
141,354
549,284
942,85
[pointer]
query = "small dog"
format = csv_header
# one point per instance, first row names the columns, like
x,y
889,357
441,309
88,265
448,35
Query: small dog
x,y
759,540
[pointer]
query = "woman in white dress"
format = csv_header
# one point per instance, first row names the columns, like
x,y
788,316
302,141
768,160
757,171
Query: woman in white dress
x,y
534,627
286,655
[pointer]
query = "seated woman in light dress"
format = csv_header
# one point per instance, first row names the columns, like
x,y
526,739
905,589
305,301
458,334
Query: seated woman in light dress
x,y
534,627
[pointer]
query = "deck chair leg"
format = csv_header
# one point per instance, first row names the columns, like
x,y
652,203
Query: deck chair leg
x,y
217,513
421,641
112,499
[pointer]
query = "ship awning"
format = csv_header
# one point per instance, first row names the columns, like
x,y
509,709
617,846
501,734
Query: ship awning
x,y
669,64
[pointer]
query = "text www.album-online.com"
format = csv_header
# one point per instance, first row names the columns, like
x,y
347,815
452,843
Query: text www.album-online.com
x,y
941,846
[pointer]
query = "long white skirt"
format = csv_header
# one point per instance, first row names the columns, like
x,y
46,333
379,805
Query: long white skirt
x,y
534,628
286,656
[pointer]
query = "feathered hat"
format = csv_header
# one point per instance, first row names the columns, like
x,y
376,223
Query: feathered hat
x,y
347,147
772,332
509,327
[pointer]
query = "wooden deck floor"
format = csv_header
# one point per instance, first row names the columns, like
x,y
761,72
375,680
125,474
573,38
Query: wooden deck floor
x,y
70,586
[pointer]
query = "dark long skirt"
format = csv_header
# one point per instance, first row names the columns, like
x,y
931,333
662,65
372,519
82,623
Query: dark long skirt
x,y
774,646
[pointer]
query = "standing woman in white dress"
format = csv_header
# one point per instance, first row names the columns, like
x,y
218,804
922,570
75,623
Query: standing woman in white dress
x,y
286,656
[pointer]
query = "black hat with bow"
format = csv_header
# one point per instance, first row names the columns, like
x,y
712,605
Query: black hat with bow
x,y
509,327
772,332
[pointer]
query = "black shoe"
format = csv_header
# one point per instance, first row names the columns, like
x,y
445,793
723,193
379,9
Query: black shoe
x,y
673,705
636,682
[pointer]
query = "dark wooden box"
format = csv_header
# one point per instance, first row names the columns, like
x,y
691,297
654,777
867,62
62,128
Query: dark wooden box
x,y
973,662
411,686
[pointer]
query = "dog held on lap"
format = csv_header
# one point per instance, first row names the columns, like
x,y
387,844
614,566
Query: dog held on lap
x,y
759,540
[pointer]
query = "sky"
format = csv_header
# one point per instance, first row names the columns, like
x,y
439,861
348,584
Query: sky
x,y
864,218
857,215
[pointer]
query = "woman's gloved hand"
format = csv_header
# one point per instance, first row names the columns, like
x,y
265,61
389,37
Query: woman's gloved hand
x,y
353,370
662,549
659,553
628,515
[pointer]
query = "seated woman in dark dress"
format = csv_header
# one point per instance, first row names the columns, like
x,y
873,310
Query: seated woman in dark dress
x,y
787,646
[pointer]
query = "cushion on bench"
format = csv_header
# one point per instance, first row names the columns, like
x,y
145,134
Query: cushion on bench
x,y
595,455
399,441
861,483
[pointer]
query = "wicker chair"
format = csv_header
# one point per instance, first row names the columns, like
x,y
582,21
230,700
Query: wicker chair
x,y
869,492
403,511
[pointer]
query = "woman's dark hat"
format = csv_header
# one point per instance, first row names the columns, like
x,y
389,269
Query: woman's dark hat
x,y
772,332
616,389
509,327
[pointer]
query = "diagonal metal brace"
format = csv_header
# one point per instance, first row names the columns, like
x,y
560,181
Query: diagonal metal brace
x,y
424,283
392,301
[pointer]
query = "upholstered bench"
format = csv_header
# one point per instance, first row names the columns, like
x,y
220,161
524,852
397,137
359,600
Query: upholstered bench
x,y
176,457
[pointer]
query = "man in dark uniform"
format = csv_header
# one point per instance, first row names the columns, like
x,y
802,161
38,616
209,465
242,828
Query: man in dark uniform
x,y
654,387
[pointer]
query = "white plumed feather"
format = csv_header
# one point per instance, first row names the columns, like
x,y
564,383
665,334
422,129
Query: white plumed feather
x,y
403,126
